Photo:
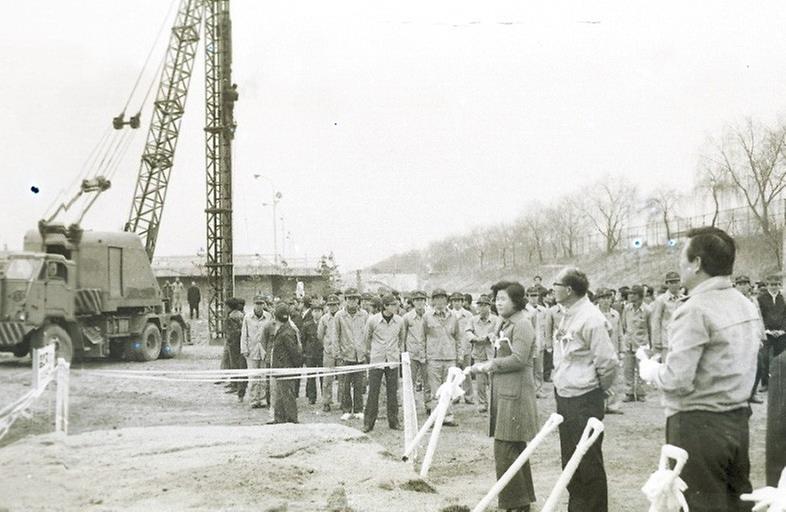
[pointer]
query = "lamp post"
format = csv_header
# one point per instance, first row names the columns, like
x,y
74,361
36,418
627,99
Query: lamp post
x,y
275,198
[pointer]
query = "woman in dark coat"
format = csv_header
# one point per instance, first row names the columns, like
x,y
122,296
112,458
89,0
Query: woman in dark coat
x,y
514,414
286,354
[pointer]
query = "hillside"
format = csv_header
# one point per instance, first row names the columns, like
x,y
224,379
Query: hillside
x,y
645,265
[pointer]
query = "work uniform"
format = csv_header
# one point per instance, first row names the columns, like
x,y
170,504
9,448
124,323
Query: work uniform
x,y
537,315
326,334
251,347
635,334
483,333
177,296
660,317
464,317
384,339
613,326
415,345
443,348
350,336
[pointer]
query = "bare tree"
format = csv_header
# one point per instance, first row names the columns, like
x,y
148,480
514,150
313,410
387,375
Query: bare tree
x,y
663,202
535,220
608,205
711,177
753,159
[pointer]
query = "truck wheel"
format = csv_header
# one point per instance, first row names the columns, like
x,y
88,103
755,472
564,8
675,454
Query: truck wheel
x,y
22,349
174,341
55,335
150,344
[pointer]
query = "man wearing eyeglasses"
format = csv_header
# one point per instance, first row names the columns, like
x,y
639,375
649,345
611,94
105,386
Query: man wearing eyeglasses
x,y
585,364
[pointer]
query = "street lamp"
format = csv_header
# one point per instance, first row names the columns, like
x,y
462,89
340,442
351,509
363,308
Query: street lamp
x,y
276,197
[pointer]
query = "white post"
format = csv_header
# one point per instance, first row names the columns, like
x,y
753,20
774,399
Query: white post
x,y
591,433
449,388
408,400
61,408
550,426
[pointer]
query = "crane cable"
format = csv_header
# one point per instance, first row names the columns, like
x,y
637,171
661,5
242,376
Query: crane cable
x,y
149,54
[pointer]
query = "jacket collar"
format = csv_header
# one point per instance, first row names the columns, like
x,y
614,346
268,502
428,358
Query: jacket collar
x,y
515,317
713,283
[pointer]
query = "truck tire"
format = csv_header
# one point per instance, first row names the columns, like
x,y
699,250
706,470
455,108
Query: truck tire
x,y
174,341
22,349
149,344
55,335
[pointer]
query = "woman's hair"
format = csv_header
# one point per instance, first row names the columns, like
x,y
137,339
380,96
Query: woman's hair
x,y
517,295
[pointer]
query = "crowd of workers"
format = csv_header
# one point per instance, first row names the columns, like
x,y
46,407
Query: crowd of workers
x,y
703,344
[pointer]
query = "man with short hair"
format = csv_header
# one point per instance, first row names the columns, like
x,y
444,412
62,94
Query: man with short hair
x,y
708,373
482,332
384,340
415,343
539,316
773,312
350,335
743,284
285,354
177,296
635,334
585,364
443,346
326,334
233,330
252,349
312,349
660,315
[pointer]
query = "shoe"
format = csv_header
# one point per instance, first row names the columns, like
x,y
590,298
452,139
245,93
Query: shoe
x,y
326,408
755,400
346,416
629,398
271,422
613,410
366,429
256,405
359,415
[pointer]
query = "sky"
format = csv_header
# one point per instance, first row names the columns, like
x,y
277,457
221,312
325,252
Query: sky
x,y
386,125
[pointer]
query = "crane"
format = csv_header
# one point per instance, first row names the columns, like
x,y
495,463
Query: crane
x,y
158,155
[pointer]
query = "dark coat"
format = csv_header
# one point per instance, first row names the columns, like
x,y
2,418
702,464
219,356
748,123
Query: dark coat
x,y
312,347
773,313
286,352
514,411
193,295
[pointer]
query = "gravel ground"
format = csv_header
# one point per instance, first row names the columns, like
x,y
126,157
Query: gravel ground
x,y
461,473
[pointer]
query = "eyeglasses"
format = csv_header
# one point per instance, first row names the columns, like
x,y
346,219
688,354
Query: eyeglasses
x,y
559,284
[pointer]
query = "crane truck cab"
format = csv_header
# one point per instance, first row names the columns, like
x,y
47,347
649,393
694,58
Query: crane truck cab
x,y
90,293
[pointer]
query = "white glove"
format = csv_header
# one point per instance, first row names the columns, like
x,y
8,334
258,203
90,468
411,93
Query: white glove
x,y
648,370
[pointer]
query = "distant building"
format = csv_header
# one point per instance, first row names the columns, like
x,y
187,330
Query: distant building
x,y
253,274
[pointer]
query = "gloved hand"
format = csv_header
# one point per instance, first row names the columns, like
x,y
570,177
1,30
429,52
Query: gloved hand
x,y
648,369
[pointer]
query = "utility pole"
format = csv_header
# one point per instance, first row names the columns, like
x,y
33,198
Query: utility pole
x,y
220,97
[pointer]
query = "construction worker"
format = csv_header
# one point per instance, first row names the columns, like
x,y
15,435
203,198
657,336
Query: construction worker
x,y
539,316
384,339
635,334
312,349
415,343
326,334
177,296
350,326
233,330
661,312
251,347
482,332
463,316
443,346
604,296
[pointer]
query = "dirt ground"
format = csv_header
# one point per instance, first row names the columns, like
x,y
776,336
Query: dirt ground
x,y
118,465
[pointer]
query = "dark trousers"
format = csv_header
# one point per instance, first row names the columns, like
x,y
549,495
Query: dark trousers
x,y
351,385
193,309
588,488
776,412
520,491
718,467
372,403
548,365
313,382
237,362
284,403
